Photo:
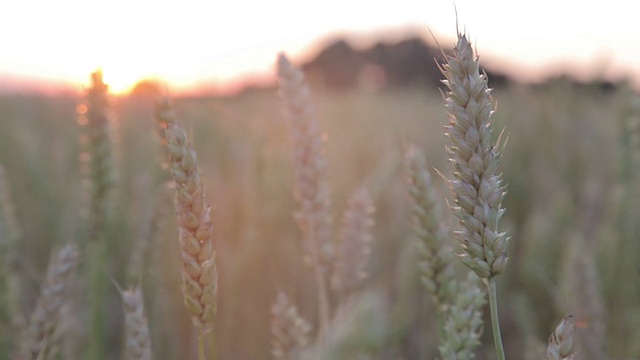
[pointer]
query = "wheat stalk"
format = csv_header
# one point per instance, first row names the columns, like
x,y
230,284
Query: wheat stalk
x,y
311,178
476,188
137,339
289,330
199,273
41,336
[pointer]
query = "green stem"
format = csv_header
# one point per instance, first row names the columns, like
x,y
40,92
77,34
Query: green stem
x,y
213,352
201,355
495,321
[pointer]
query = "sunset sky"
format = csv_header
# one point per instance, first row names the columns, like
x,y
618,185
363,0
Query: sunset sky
x,y
201,42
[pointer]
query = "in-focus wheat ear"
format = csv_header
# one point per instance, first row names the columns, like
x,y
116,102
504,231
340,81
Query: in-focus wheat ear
x,y
199,273
477,189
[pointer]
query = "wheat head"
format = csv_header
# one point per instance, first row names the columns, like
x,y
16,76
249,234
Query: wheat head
x,y
41,336
199,273
137,339
476,188
289,330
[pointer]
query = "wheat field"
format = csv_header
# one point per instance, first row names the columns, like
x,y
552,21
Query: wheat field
x,y
572,209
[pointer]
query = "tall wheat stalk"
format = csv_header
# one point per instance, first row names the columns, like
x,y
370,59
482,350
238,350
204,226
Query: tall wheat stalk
x,y
311,179
199,273
101,181
476,188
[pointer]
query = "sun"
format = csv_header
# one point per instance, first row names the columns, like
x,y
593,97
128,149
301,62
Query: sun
x,y
120,81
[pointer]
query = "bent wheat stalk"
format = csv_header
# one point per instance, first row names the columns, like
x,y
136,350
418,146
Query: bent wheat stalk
x,y
476,188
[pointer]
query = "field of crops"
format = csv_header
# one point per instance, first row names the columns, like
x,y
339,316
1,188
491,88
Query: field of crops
x,y
571,167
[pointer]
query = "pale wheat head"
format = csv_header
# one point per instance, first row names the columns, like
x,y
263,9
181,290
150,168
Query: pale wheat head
x,y
561,340
477,189
354,245
42,332
435,255
463,325
311,187
289,330
137,339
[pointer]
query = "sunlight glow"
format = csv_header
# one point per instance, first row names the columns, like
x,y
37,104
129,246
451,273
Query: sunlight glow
x,y
199,43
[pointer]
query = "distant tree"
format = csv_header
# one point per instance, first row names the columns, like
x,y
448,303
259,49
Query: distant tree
x,y
147,88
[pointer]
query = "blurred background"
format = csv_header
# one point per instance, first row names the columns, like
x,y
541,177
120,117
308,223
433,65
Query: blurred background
x,y
565,76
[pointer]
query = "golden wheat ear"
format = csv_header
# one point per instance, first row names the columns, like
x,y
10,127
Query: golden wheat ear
x,y
199,273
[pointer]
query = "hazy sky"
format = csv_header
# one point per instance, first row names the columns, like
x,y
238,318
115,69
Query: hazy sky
x,y
203,41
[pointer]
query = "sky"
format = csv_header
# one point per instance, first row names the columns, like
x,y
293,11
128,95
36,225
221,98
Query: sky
x,y
191,43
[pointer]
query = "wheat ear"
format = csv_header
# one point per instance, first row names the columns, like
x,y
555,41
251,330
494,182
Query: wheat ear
x,y
463,325
100,162
354,245
476,188
137,339
289,330
311,178
199,273
41,335
561,340
436,257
